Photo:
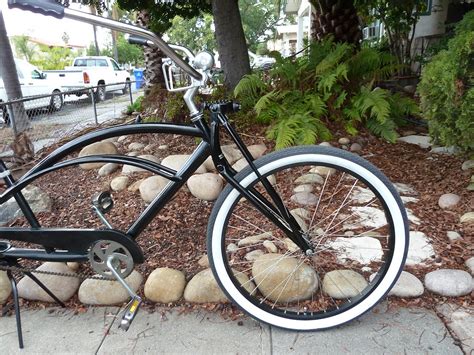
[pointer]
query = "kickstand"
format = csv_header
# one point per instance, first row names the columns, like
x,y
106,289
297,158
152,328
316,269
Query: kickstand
x,y
45,289
17,309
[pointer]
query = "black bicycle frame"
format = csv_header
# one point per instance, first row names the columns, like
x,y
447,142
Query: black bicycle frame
x,y
210,145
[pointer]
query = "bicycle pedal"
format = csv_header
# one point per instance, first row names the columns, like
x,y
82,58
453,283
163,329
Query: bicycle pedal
x,y
130,313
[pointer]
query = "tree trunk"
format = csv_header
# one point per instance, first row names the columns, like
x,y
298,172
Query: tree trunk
x,y
233,52
22,147
337,18
153,58
94,28
114,16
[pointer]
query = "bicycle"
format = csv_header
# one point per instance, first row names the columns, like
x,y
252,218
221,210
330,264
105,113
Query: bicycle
x,y
287,256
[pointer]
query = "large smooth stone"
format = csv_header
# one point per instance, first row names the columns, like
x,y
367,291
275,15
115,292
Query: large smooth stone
x,y
421,141
310,179
135,146
284,279
99,148
38,200
128,169
257,150
255,239
342,284
176,162
364,250
240,164
165,285
108,169
119,183
448,201
407,286
206,186
419,249
449,282
5,287
467,218
305,198
62,287
151,187
104,293
323,171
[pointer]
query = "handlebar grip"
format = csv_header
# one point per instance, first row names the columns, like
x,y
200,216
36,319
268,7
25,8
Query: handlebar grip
x,y
43,7
138,40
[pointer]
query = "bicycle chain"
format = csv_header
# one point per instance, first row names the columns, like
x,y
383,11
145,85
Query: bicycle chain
x,y
80,276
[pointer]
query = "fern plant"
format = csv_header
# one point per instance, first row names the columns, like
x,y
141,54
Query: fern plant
x,y
330,82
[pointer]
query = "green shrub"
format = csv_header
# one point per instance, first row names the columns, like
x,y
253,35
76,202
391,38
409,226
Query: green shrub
x,y
137,106
330,82
447,89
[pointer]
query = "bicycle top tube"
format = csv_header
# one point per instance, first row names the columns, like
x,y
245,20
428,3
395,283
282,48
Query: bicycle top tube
x,y
50,8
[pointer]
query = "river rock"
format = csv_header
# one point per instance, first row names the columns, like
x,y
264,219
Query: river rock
x,y
105,293
176,162
470,265
108,169
310,179
165,285
203,288
467,218
419,249
342,284
135,146
270,246
135,186
99,148
206,186
305,199
323,170
74,266
363,250
257,150
5,287
119,183
204,261
407,285
284,279
355,147
452,235
240,164
301,212
448,201
62,287
344,140
468,165
254,255
421,141
303,188
38,200
129,169
254,239
151,187
325,144
449,282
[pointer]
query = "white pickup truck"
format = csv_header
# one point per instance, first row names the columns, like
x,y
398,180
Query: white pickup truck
x,y
85,72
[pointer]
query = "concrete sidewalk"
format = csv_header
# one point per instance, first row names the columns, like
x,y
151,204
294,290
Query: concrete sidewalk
x,y
383,331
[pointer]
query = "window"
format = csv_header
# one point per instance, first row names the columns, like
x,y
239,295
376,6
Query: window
x,y
101,63
36,74
84,62
115,65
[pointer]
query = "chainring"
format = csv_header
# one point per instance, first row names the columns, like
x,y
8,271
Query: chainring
x,y
102,250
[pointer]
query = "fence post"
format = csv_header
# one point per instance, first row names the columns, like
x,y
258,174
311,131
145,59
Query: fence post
x,y
93,104
130,91
11,117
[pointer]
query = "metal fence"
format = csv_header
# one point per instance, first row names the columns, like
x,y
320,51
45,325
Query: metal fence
x,y
51,118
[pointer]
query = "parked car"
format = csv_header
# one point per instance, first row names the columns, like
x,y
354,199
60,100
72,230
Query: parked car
x,y
85,72
261,61
33,82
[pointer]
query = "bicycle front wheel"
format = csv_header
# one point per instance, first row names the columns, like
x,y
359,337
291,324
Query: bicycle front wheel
x,y
350,213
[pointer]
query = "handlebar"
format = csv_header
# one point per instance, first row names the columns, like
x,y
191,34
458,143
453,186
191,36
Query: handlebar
x,y
44,7
51,8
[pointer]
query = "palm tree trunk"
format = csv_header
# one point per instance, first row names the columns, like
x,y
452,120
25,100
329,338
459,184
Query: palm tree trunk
x,y
96,43
153,58
22,148
337,18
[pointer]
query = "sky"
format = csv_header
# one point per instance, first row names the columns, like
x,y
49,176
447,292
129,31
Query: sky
x,y
49,29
